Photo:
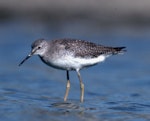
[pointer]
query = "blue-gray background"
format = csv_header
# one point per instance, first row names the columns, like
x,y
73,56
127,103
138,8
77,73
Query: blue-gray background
x,y
115,90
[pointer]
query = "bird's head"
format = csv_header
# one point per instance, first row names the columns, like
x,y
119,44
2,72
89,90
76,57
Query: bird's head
x,y
39,47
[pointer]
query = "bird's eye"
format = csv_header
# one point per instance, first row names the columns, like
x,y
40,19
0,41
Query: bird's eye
x,y
39,47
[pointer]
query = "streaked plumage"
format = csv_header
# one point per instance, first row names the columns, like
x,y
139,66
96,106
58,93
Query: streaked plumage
x,y
71,54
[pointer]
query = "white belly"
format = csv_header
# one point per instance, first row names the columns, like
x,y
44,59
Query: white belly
x,y
71,63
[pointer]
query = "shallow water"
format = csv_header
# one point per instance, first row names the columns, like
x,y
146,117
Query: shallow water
x,y
116,90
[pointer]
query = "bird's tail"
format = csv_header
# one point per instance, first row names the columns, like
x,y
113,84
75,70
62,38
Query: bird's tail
x,y
119,50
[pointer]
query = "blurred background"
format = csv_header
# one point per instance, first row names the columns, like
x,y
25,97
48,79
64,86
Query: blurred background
x,y
58,15
115,89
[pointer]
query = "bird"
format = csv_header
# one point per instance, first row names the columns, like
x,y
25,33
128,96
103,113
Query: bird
x,y
71,54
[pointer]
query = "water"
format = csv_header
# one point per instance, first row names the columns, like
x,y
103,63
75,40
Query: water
x,y
116,90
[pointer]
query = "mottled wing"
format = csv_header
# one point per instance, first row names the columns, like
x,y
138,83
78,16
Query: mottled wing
x,y
87,49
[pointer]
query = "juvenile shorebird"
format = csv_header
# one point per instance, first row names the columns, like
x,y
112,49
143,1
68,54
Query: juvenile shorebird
x,y
71,54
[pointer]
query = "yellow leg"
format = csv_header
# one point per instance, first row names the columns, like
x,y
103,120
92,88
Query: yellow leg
x,y
67,87
81,87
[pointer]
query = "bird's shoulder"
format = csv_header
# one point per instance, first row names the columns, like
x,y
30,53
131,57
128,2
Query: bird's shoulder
x,y
81,48
85,49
